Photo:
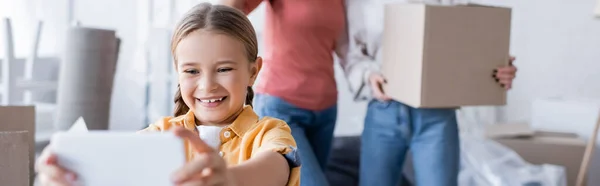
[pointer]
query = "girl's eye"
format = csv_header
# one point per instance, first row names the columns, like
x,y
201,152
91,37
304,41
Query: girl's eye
x,y
191,71
224,70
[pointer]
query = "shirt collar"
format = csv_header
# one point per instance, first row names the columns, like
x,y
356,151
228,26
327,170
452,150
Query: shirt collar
x,y
244,122
188,120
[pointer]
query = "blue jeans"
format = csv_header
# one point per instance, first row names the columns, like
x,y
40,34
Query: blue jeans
x,y
391,128
312,130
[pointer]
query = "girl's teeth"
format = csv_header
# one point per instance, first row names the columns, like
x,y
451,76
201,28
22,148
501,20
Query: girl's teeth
x,y
212,100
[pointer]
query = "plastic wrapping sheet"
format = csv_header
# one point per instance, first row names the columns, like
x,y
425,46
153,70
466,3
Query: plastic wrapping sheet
x,y
472,120
485,162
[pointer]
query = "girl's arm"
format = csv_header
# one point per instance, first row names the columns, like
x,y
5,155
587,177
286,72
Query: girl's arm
x,y
269,165
276,161
266,169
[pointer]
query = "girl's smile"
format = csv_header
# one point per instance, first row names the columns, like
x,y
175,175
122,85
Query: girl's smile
x,y
211,102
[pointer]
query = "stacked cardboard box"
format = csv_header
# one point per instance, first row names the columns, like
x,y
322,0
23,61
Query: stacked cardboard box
x,y
538,147
17,131
563,131
14,164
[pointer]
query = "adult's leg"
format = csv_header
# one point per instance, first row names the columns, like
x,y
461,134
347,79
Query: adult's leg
x,y
435,147
310,171
385,140
342,166
320,134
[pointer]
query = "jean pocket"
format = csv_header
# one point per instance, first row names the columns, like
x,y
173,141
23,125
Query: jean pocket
x,y
379,104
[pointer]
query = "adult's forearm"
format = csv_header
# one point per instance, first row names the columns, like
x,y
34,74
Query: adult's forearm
x,y
238,4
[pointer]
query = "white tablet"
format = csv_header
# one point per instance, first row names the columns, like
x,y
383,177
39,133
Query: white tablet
x,y
101,158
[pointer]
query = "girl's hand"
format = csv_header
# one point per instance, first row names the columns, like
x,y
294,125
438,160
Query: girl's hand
x,y
50,173
377,80
207,167
505,75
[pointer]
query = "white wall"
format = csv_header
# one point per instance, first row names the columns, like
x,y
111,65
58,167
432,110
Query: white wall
x,y
557,44
127,101
23,14
126,17
126,109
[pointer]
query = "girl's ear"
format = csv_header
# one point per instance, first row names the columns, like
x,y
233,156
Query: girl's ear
x,y
254,70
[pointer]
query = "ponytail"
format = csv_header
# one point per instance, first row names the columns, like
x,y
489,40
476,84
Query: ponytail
x,y
249,95
180,107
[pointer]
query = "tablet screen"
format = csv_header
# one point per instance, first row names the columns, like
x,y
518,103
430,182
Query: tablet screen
x,y
101,158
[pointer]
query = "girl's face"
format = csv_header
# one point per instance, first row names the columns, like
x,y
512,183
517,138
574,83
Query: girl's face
x,y
214,73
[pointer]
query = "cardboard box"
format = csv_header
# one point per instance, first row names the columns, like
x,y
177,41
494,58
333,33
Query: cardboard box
x,y
14,159
20,118
444,56
538,147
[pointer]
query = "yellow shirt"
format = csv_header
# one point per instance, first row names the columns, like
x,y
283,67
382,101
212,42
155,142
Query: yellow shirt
x,y
244,138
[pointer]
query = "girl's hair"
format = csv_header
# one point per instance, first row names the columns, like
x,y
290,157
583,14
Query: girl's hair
x,y
215,18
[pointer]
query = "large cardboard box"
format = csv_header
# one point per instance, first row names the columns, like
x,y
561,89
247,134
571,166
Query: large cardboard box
x,y
14,159
444,56
15,119
539,147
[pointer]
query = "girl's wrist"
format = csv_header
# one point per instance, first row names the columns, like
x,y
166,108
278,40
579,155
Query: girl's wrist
x,y
230,178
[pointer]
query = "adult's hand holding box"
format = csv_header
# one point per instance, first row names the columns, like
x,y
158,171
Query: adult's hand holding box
x,y
101,158
444,56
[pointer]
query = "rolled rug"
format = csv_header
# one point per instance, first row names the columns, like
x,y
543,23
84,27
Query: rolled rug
x,y
86,78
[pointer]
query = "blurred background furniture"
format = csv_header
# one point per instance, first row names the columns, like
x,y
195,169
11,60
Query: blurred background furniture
x,y
31,80
86,78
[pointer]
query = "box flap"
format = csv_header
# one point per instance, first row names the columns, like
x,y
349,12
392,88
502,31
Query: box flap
x,y
558,140
475,5
509,131
467,4
523,130
555,134
437,4
480,5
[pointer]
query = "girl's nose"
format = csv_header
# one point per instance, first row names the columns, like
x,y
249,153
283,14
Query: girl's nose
x,y
207,84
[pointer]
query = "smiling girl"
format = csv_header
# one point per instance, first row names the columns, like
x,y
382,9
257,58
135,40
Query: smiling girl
x,y
215,51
